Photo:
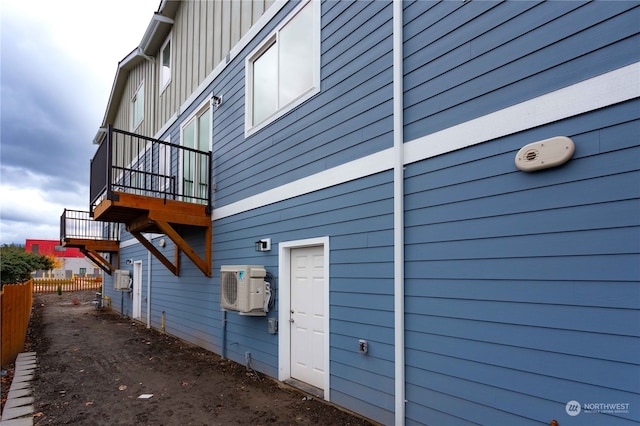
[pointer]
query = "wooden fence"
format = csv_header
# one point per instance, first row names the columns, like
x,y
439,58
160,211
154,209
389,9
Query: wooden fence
x,y
50,285
15,310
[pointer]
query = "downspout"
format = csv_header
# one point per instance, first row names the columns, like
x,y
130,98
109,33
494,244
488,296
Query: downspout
x,y
148,289
224,335
398,213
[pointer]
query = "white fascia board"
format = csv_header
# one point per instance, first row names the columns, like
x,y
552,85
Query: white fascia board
x,y
598,92
365,166
118,81
606,89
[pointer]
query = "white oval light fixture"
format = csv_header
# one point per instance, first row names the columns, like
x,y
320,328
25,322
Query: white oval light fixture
x,y
545,154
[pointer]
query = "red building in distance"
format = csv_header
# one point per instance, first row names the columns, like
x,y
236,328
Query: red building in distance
x,y
70,260
51,248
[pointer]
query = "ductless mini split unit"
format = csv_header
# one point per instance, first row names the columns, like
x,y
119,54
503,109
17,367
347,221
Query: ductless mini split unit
x,y
121,280
243,289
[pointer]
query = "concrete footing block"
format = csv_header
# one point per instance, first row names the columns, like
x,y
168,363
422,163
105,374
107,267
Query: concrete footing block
x,y
18,409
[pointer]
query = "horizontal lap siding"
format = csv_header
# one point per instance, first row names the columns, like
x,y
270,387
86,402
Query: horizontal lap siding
x,y
357,217
189,302
349,118
467,59
190,306
523,288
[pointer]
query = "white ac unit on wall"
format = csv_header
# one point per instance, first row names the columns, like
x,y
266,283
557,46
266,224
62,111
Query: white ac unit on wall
x,y
243,289
121,280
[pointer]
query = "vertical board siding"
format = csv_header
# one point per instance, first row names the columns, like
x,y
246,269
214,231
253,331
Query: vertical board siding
x,y
523,288
143,71
358,217
349,118
473,63
202,35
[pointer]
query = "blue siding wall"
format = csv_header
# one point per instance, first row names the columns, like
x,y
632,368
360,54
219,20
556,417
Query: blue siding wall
x,y
349,118
358,218
523,288
467,59
190,303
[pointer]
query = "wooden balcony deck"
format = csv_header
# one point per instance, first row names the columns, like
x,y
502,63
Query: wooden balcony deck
x,y
153,186
98,241
143,214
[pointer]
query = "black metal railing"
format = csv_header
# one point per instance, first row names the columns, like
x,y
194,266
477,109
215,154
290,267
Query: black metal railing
x,y
136,164
79,224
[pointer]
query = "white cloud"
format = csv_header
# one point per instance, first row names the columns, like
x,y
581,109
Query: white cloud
x,y
27,213
59,59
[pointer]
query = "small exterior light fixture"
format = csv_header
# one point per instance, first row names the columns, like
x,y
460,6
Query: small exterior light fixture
x,y
263,244
162,242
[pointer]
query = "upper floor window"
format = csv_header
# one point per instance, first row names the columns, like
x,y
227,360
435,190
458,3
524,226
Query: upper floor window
x,y
164,168
196,134
284,70
137,107
165,66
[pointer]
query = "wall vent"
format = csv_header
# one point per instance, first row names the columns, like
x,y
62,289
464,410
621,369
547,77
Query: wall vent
x,y
544,154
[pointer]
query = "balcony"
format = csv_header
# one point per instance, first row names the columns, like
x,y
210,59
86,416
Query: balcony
x,y
99,241
153,186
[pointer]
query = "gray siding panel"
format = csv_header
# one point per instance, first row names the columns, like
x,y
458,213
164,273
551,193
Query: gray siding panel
x,y
522,288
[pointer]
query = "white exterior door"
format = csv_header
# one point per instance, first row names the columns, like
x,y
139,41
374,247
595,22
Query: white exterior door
x,y
308,315
137,289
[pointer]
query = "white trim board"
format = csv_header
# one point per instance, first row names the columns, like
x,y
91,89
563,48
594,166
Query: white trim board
x,y
369,165
284,300
132,241
598,92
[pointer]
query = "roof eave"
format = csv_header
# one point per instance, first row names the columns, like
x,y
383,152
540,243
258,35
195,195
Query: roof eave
x,y
157,31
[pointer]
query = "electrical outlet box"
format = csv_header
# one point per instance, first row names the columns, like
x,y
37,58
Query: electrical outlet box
x,y
363,346
273,325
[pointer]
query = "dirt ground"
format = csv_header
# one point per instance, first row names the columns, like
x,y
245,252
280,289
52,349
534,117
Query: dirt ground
x,y
93,368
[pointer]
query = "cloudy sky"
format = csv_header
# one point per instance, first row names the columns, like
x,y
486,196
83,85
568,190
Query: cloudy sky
x,y
58,60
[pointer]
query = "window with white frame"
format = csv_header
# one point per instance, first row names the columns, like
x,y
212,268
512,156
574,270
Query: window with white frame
x,y
137,107
165,64
165,180
284,70
196,134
